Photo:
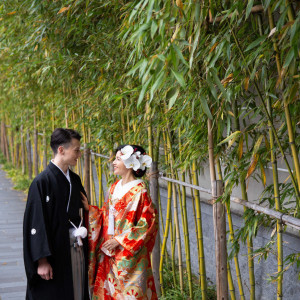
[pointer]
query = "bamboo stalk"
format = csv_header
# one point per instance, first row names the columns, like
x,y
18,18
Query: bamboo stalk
x,y
45,162
285,103
178,240
200,235
186,239
185,224
255,9
35,149
22,151
166,233
278,207
173,246
29,159
195,221
269,119
175,211
123,126
101,196
154,197
245,197
13,159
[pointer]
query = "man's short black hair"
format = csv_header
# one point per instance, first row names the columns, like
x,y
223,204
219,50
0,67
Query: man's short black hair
x,y
63,136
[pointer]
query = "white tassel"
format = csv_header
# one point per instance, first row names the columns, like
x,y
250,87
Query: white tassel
x,y
79,232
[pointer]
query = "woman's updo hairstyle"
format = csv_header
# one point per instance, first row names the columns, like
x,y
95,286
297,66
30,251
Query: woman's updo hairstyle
x,y
138,173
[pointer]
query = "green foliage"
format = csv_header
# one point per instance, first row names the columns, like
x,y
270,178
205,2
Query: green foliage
x,y
173,291
21,181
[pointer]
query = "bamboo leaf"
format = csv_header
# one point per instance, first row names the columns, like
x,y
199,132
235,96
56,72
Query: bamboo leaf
x,y
234,136
172,95
219,84
240,149
143,91
212,88
63,9
249,7
257,144
266,4
256,42
204,104
228,79
263,174
156,84
288,58
154,27
179,53
179,4
213,47
150,8
252,166
179,78
134,69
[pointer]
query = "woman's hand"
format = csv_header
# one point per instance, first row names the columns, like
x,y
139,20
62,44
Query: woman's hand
x,y
111,244
84,201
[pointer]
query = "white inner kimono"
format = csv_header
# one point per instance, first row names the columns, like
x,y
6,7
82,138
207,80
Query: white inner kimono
x,y
119,191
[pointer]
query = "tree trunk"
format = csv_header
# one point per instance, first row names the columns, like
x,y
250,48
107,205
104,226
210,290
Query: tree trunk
x,y
87,184
220,241
22,151
29,158
45,162
35,150
156,249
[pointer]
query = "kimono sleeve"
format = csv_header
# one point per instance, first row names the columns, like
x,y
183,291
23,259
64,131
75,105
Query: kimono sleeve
x,y
144,233
35,237
94,239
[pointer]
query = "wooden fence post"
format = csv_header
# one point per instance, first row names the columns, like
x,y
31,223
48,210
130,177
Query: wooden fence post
x,y
220,241
87,183
156,250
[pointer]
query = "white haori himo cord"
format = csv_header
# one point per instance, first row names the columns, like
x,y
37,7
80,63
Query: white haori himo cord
x,y
79,232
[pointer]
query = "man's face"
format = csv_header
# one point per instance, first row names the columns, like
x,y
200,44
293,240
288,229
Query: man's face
x,y
71,152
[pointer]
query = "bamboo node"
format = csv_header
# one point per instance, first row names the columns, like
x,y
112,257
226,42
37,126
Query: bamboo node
x,y
281,216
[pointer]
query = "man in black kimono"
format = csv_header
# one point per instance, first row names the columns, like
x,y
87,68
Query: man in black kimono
x,y
55,258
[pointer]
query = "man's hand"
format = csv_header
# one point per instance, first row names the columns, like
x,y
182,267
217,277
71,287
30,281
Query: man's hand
x,y
45,269
111,244
84,201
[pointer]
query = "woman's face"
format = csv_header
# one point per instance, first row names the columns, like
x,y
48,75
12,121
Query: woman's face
x,y
119,167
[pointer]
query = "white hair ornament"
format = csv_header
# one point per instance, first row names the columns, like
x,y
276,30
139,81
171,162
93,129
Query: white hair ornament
x,y
135,160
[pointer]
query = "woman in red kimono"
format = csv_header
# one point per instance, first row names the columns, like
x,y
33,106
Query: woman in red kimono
x,y
122,233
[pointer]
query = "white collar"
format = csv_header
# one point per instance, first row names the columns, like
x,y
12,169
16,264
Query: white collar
x,y
66,174
120,190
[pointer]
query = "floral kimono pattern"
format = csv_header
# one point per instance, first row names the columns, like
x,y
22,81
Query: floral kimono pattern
x,y
124,273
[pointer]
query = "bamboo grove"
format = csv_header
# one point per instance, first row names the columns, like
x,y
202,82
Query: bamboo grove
x,y
175,76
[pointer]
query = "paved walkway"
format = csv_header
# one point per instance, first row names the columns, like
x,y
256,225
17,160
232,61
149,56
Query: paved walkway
x,y
12,274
